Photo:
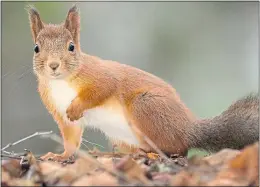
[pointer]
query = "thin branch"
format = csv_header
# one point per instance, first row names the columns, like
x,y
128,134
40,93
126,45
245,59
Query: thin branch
x,y
11,156
9,153
92,143
23,139
150,143
85,145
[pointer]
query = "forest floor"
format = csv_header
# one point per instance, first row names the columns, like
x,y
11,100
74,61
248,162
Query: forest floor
x,y
94,168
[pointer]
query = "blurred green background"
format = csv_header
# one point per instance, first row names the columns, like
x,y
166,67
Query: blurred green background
x,y
207,50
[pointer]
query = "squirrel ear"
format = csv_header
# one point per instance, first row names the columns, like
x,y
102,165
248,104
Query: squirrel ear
x,y
72,23
35,21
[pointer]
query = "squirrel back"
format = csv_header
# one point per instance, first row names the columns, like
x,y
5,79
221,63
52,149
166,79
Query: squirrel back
x,y
234,128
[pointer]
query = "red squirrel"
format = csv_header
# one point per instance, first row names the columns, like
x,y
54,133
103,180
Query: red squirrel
x,y
82,90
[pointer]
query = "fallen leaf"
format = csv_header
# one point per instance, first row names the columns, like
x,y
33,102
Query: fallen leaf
x,y
128,166
82,166
185,178
108,162
48,167
22,182
153,156
5,178
98,179
162,177
12,167
221,157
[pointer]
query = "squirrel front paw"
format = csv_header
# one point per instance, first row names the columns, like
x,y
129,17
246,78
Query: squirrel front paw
x,y
74,112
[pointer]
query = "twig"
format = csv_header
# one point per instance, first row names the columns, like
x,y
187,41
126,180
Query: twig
x,y
85,145
150,142
11,156
92,143
9,153
25,138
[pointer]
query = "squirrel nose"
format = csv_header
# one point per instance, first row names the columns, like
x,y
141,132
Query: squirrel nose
x,y
54,65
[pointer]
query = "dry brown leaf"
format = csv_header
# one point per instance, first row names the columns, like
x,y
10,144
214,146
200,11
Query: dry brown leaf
x,y
5,178
107,162
247,159
66,175
48,167
163,177
98,179
153,156
246,165
53,172
132,169
225,168
226,182
12,167
22,182
185,178
228,178
82,166
221,157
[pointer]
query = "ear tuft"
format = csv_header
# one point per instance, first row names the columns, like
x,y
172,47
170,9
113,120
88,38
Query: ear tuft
x,y
74,8
35,21
72,23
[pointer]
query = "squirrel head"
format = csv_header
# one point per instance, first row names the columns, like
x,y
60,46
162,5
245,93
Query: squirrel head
x,y
57,48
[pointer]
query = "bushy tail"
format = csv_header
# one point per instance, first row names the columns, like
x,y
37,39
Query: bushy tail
x,y
234,128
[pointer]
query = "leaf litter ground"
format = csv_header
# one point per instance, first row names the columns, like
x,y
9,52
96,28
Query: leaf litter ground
x,y
94,168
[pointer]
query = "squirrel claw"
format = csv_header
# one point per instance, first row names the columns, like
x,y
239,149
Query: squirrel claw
x,y
55,157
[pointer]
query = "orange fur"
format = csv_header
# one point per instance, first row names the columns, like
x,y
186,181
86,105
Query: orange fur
x,y
162,118
144,101
147,102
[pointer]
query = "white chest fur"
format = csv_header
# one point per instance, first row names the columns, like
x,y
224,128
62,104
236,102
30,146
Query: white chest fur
x,y
62,94
109,118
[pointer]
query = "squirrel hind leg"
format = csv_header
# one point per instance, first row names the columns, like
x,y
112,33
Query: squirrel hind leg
x,y
154,115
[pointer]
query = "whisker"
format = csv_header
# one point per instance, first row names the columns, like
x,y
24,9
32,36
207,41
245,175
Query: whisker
x,y
12,73
38,66
25,73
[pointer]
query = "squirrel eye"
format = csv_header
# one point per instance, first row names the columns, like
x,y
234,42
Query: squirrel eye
x,y
36,49
71,47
